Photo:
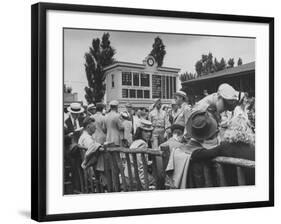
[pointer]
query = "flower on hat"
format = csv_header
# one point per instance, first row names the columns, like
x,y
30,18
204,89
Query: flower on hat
x,y
238,131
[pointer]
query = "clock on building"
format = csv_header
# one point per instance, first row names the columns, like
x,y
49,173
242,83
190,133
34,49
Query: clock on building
x,y
150,61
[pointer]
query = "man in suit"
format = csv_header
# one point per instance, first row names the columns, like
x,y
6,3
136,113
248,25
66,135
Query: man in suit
x,y
73,123
100,133
113,124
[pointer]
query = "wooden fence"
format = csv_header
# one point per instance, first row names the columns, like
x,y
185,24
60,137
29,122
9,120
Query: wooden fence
x,y
122,168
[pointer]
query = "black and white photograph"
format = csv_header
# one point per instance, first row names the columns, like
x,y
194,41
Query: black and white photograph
x,y
151,111
142,111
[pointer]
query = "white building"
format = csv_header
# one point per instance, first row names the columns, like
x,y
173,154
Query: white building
x,y
140,84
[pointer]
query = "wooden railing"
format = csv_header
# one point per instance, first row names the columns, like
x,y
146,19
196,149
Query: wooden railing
x,y
122,170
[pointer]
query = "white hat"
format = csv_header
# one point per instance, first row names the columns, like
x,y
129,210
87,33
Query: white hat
x,y
91,105
227,92
113,103
180,93
125,114
75,108
146,125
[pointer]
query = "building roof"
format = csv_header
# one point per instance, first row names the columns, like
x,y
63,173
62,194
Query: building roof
x,y
238,70
136,65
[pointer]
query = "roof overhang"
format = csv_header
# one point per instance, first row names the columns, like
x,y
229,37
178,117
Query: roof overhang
x,y
119,64
230,72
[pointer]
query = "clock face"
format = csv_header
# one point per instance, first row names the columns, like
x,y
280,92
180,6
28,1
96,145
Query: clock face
x,y
150,61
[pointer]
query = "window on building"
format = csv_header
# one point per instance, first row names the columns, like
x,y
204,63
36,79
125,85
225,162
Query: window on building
x,y
132,93
171,87
136,79
175,84
164,89
167,88
126,78
156,86
140,93
146,94
112,81
145,80
125,93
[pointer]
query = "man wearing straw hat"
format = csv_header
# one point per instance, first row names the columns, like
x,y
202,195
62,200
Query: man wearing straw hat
x,y
74,121
73,124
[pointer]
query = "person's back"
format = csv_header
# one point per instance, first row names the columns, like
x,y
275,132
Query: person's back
x,y
99,134
113,127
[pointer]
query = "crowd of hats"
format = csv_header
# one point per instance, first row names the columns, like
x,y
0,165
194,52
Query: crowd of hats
x,y
200,125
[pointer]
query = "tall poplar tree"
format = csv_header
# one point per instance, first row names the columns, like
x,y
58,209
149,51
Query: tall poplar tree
x,y
100,55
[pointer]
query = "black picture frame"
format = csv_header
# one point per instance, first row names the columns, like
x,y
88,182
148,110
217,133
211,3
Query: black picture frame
x,y
39,122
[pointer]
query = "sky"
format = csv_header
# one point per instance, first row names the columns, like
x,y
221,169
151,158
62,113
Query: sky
x,y
182,50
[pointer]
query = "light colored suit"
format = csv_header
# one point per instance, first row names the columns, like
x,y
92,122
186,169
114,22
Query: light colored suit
x,y
113,125
99,134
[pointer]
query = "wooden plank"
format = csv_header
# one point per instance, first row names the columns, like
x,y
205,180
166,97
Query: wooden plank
x,y
154,172
91,179
220,175
114,173
241,180
235,161
86,187
134,151
207,176
107,172
165,159
136,171
121,170
145,171
165,155
129,167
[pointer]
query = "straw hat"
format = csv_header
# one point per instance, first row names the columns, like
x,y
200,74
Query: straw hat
x,y
91,106
75,108
146,125
201,125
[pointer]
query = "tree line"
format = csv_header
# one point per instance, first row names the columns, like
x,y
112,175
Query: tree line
x,y
207,64
101,54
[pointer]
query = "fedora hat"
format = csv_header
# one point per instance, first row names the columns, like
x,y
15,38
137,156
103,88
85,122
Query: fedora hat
x,y
75,108
146,125
201,125
177,126
180,93
100,105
